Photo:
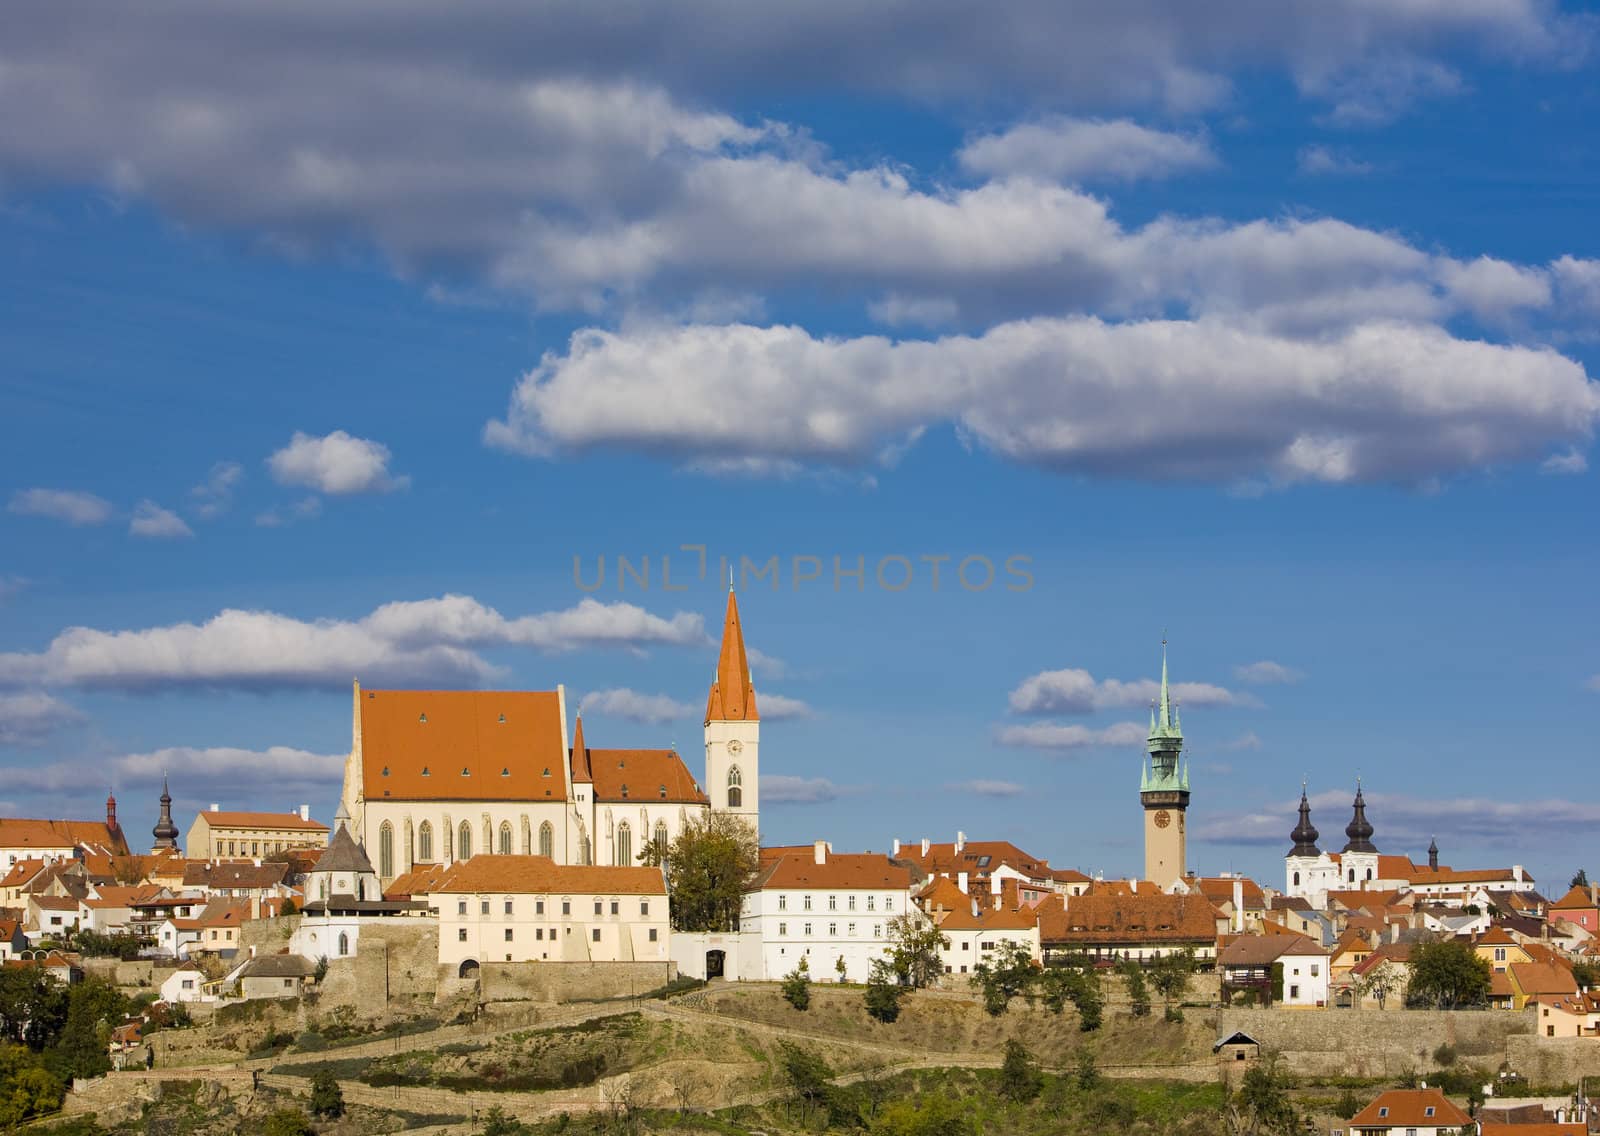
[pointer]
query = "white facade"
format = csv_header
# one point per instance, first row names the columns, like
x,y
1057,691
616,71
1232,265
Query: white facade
x,y
733,769
184,985
970,946
326,936
1311,878
555,927
1305,979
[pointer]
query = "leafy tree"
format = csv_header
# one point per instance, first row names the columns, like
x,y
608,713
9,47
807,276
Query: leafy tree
x,y
496,1122
1262,1106
808,1076
1447,974
327,1099
288,907
1085,1074
841,969
1011,972
1060,985
321,971
287,1122
1581,880
914,946
933,1114
1138,992
32,1007
1171,974
1587,974
883,992
709,867
1349,1104
128,870
93,1007
1380,982
1020,1078
96,945
797,985
27,1088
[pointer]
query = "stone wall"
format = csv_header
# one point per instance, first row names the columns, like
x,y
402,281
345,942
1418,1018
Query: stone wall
x,y
1550,1061
140,973
569,981
396,960
1378,1043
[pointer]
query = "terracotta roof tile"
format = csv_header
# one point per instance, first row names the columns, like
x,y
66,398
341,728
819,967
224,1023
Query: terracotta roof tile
x,y
1089,920
644,774
845,871
231,876
1543,978
540,875
24,832
1401,1108
732,697
1578,899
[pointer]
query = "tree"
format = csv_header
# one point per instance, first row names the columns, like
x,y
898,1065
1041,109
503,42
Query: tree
x,y
1587,974
808,1076
883,992
496,1122
288,907
1581,880
1010,973
1085,1074
327,1099
128,870
841,968
1138,992
1020,1078
1380,982
797,985
1262,1106
1170,975
1447,974
914,946
710,866
287,1122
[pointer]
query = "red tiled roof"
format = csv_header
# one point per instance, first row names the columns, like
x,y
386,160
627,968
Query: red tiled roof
x,y
732,697
644,773
540,875
1543,978
1578,899
1402,1108
24,832
971,859
845,871
21,872
1090,920
475,745
1537,1128
288,822
1219,890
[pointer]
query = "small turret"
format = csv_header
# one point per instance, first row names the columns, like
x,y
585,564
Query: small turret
x,y
165,831
1433,854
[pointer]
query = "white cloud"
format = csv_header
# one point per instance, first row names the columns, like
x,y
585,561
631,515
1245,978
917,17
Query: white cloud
x,y
1076,691
1077,149
1054,736
1267,673
1493,289
414,642
71,506
621,702
1578,283
777,707
1571,462
305,509
983,787
28,717
151,520
1381,88
1319,160
214,496
765,664
783,789
912,311
336,464
269,778
1166,400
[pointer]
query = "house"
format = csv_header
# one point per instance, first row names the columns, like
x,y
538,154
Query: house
x,y
1499,949
975,930
1409,1112
24,838
1238,897
184,985
265,976
109,910
1144,924
18,879
1247,963
983,865
1378,980
12,939
1539,980
823,906
1580,907
343,894
51,916
53,964
1566,1015
238,880
531,909
126,1047
215,929
218,833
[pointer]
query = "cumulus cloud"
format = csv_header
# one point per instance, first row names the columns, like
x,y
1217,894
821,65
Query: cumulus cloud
x,y
1078,149
786,790
766,664
1076,691
413,642
982,787
621,702
1055,736
151,520
1578,283
1573,461
1160,399
1265,672
229,767
214,496
1493,289
28,717
777,706
277,778
336,464
1319,160
69,505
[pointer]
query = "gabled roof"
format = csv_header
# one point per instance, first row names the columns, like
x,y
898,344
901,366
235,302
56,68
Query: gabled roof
x,y
1219,890
287,822
1402,1108
978,858
732,697
420,880
21,872
643,775
1089,920
1263,950
1542,978
845,871
1577,899
540,875
25,832
463,745
226,875
990,918
277,966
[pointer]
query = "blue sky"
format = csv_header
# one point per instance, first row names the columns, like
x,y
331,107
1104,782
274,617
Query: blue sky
x,y
329,341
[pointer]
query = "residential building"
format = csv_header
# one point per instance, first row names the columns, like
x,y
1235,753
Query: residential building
x,y
51,916
13,941
27,839
218,834
985,865
230,880
1250,964
1566,1015
265,977
1580,907
1410,1112
532,909
184,985
1141,925
976,927
215,930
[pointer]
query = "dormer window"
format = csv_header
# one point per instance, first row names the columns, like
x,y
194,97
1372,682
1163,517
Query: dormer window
x,y
505,772
502,719
1428,1111
423,718
1383,1112
624,792
465,772
386,771
547,771
425,771
663,792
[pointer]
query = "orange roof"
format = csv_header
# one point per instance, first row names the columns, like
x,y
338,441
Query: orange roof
x,y
1424,876
1578,899
1414,1108
1219,889
942,891
54,902
1500,985
988,918
1538,1128
21,872
1495,937
643,775
1154,917
122,896
580,754
845,871
8,930
540,875
215,915
732,697
1543,978
1070,876
1395,867
463,745
23,832
228,818
420,880
976,858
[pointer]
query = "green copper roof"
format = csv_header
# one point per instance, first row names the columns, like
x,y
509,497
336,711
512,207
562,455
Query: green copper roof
x,y
1166,741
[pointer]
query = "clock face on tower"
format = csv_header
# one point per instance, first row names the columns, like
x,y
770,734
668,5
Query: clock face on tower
x,y
1163,818
734,747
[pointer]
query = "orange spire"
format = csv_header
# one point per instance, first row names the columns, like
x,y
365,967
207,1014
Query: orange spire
x,y
733,698
580,754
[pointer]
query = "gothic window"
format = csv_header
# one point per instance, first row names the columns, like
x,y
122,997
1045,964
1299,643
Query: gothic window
x,y
661,840
425,843
386,851
464,842
344,944
624,845
505,838
735,789
1369,873
547,839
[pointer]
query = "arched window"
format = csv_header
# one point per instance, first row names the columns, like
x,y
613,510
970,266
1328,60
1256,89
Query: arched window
x,y
464,842
425,843
735,790
624,845
1352,875
661,840
547,840
505,838
1369,873
386,850
1297,879
344,944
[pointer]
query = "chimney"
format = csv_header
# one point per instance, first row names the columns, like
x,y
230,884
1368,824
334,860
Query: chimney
x,y
305,812
1238,905
925,843
1133,886
216,808
961,842
961,880
1010,897
1594,894
255,912
819,851
896,847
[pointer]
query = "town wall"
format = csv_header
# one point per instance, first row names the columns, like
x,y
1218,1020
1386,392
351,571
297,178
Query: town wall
x,y
396,960
1550,1061
569,981
1377,1043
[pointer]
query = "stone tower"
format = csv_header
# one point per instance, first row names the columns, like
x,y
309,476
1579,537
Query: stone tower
x,y
733,728
1164,793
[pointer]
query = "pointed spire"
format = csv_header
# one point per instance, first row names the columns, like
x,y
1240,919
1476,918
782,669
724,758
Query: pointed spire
x,y
581,770
165,831
1433,854
342,817
1166,701
1305,833
732,697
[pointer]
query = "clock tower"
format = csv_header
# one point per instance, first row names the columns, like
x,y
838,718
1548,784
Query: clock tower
x,y
1164,793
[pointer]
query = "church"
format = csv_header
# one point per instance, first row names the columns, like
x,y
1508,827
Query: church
x,y
440,776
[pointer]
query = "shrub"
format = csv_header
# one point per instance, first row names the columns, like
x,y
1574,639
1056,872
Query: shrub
x,y
1020,1078
797,986
1445,1055
327,1100
287,1122
311,1042
883,992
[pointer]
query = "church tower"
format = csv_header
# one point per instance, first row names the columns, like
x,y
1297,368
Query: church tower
x,y
1359,860
1164,792
165,831
733,728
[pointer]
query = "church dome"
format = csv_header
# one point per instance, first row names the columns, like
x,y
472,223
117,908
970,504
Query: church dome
x,y
1359,830
1305,833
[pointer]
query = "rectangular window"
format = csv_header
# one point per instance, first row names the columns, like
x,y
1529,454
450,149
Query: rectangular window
x,y
508,934
852,903
966,946
461,935
595,934
538,932
806,902
833,903
877,930
598,906
783,903
613,907
461,907
1294,991
833,930
483,907
566,907
872,902
851,930
652,934
538,907
508,907
888,903
783,928
808,930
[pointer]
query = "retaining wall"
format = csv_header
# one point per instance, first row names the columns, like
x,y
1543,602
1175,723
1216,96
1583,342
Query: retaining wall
x,y
1378,1043
570,981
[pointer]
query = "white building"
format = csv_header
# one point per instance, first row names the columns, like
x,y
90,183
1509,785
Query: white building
x,y
341,892
184,985
437,777
823,907
975,927
28,839
531,909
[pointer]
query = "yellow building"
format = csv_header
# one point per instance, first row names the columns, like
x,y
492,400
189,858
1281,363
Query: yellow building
x,y
219,835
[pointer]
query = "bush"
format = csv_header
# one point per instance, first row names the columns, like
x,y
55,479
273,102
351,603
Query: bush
x,y
327,1101
883,992
1020,1078
1445,1055
287,1122
1173,1014
797,986
311,1042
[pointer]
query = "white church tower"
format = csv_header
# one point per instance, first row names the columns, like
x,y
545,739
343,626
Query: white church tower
x,y
733,728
